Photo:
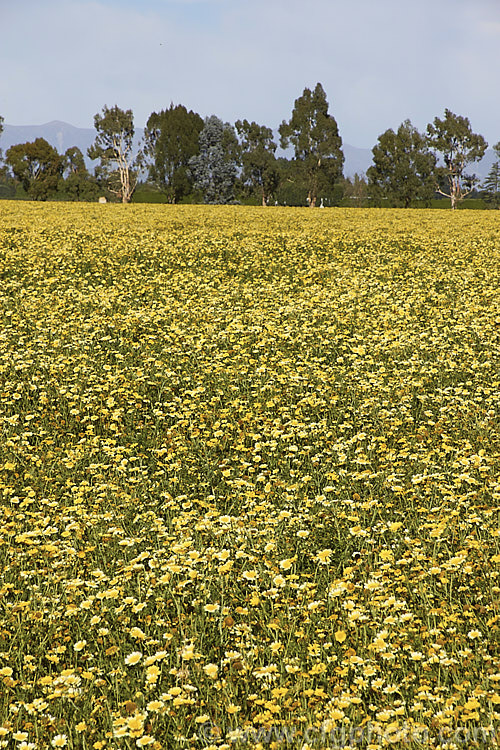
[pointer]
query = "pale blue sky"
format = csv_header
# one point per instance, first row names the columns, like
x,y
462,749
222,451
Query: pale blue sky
x,y
380,61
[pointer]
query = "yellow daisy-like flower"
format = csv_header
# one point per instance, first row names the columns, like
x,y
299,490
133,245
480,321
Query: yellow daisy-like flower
x,y
249,575
324,555
145,740
133,658
340,636
211,670
60,740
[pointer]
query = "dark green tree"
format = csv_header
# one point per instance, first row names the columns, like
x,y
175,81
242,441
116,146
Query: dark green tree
x,y
492,182
260,170
38,167
172,139
315,137
453,139
403,167
1,131
214,168
114,145
78,183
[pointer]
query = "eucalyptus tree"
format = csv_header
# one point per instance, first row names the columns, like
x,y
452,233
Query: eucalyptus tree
x,y
452,138
491,184
403,167
114,146
37,166
215,167
314,134
260,169
172,139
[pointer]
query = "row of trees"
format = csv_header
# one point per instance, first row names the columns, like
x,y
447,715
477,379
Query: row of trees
x,y
185,157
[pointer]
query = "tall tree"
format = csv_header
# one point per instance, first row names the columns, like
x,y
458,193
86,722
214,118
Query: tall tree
x,y
1,131
114,147
453,138
403,166
171,138
492,182
78,183
215,167
38,167
260,170
315,137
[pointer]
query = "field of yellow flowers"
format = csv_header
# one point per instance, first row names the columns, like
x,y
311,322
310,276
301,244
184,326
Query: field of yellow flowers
x,y
249,477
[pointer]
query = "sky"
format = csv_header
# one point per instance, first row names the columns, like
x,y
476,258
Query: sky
x,y
379,61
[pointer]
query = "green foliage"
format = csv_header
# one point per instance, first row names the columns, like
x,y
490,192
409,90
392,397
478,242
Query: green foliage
x,y
315,137
114,147
37,166
260,170
403,167
214,169
453,138
171,141
492,182
148,193
78,184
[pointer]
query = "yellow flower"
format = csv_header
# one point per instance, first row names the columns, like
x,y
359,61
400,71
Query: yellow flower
x,y
211,670
145,740
202,719
340,636
136,632
395,526
133,658
324,555
249,575
60,740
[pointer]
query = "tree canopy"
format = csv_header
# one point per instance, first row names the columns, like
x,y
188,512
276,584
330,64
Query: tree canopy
x,y
314,134
38,167
214,168
453,139
113,145
260,170
186,158
403,166
172,139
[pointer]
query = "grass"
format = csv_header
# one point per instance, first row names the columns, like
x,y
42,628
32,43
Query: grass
x,y
248,477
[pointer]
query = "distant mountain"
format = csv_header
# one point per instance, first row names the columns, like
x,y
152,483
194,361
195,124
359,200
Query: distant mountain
x,y
59,134
62,136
